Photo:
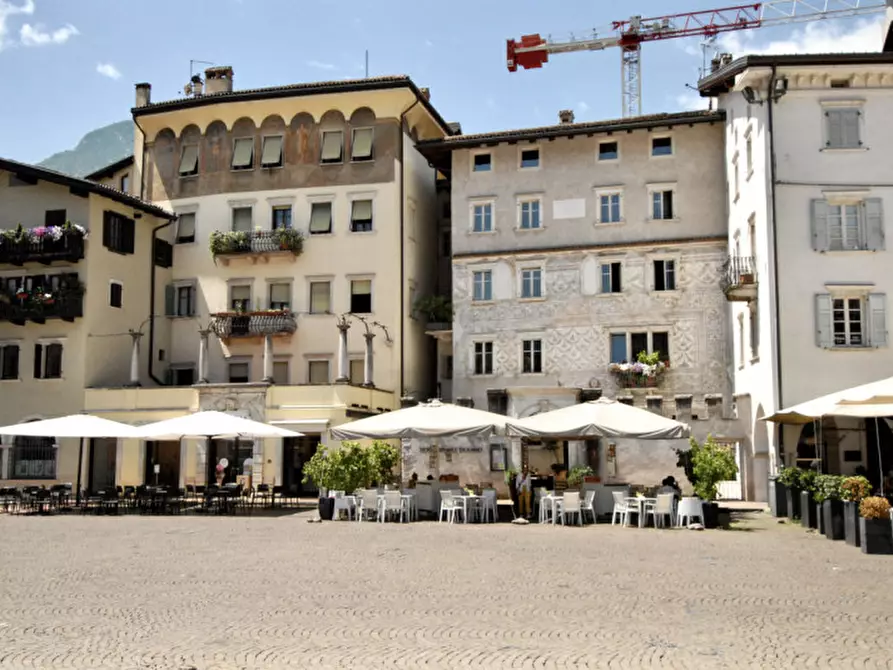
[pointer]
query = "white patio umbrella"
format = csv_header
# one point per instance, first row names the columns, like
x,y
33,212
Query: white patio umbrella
x,y
874,393
83,426
210,425
598,418
432,419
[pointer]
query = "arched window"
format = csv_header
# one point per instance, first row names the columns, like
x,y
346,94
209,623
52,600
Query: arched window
x,y
33,458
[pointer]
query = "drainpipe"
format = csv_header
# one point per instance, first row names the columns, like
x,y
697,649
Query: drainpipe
x,y
142,159
400,154
152,302
772,183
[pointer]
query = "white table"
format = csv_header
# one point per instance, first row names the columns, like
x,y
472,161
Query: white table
x,y
641,502
554,502
467,498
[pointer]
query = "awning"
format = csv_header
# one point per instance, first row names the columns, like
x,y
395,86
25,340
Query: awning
x,y
877,396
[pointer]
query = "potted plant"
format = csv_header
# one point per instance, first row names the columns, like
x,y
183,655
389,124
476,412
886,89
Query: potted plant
x,y
808,516
790,479
577,475
706,465
853,490
832,505
876,526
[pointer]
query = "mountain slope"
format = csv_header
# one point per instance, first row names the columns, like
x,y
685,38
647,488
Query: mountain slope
x,y
96,149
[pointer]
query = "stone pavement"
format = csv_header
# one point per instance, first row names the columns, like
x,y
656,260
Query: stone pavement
x,y
268,592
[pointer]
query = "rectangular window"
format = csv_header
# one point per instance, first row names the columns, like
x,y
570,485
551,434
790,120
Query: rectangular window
x,y
54,217
664,275
9,361
848,226
185,301
532,283
280,296
618,347
116,294
357,371
661,146
754,313
318,372
611,278
483,218
242,219
638,345
530,214
848,320
281,217
851,321
48,361
280,373
736,179
482,163
320,297
530,158
332,147
320,218
186,228
748,152
361,144
608,151
842,128
844,228
118,233
483,358
660,344
240,298
182,376
238,373
483,285
361,296
271,153
532,356
124,183
189,160
33,458
243,153
662,205
361,216
609,208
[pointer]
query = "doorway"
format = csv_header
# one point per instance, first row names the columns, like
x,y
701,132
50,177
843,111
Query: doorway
x,y
296,451
236,452
103,464
165,458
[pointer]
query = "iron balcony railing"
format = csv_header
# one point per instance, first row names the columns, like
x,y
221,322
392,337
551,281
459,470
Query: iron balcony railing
x,y
739,271
251,324
16,311
256,242
69,247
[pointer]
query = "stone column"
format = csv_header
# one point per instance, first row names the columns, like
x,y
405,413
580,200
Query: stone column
x,y
268,359
367,362
343,364
203,356
135,358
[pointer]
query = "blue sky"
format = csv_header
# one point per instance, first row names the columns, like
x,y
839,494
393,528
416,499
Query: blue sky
x,y
68,66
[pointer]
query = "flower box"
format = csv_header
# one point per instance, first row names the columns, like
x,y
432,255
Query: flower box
x,y
638,375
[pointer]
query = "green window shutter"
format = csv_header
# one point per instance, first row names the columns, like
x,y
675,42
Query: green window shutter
x,y
820,225
170,300
877,319
824,335
874,224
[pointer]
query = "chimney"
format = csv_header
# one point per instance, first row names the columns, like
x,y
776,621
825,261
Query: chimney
x,y
197,84
566,116
219,80
143,95
426,93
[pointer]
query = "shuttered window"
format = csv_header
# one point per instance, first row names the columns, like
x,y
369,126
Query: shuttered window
x,y
357,371
320,218
242,219
361,216
9,361
848,226
189,160
320,297
280,372
118,233
318,372
851,320
179,300
332,146
48,361
240,298
361,296
243,153
361,147
271,155
842,128
280,296
186,228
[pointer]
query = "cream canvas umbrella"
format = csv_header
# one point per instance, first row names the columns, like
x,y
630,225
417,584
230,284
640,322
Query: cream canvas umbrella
x,y
598,418
82,426
879,392
426,420
210,425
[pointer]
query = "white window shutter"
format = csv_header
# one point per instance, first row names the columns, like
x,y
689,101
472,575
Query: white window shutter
x,y
874,224
824,336
877,308
850,128
820,225
835,129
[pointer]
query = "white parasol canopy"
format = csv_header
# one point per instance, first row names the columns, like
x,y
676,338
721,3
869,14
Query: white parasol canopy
x,y
599,418
426,420
872,400
212,425
74,425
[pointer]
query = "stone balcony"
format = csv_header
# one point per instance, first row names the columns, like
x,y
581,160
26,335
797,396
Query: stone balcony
x,y
233,325
739,281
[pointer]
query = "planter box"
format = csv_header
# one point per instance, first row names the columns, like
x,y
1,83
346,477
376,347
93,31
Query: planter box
x,y
792,498
326,508
808,518
819,517
833,513
851,525
877,536
778,501
711,514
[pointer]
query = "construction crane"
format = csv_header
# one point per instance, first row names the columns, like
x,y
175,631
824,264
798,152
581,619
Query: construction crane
x,y
532,51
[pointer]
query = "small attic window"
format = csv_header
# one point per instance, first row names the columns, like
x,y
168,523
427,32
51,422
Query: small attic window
x,y
840,83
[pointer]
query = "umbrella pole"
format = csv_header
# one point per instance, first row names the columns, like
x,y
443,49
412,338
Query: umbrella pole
x,y
77,496
877,439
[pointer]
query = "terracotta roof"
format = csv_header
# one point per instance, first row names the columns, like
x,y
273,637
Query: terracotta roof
x,y
571,129
110,169
721,80
292,90
41,173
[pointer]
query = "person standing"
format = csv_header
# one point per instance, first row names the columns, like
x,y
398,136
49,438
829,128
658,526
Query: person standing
x,y
522,484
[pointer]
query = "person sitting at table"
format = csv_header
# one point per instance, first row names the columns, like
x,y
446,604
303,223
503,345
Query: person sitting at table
x,y
522,484
413,480
669,485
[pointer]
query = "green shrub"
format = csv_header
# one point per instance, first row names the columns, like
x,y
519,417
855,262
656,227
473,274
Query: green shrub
x,y
790,477
706,465
828,487
352,466
575,476
855,489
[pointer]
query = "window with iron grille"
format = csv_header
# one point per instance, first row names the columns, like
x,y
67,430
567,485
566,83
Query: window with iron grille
x,y
33,458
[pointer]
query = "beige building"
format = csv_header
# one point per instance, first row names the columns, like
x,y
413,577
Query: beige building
x,y
80,268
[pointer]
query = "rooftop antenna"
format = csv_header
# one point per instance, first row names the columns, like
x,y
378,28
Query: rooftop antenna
x,y
192,64
367,63
709,44
195,84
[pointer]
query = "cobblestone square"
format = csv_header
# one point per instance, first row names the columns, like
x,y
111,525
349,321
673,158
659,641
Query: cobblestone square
x,y
266,592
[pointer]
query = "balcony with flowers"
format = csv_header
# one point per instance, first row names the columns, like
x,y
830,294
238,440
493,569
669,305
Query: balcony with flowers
x,y
248,324
256,246
43,244
37,299
645,372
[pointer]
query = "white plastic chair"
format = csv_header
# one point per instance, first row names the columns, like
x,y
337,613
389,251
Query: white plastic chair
x,y
412,507
488,506
662,508
344,503
449,506
391,503
588,505
368,499
571,505
622,508
689,508
545,506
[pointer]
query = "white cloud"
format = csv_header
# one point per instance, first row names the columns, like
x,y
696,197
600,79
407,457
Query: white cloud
x,y
583,106
320,65
690,100
108,70
817,37
36,36
8,9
